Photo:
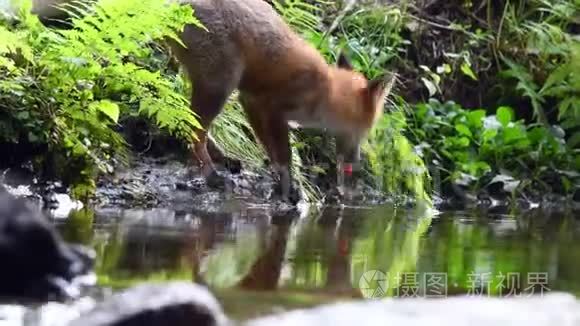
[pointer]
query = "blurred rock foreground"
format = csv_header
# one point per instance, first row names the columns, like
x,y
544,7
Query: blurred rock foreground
x,y
182,303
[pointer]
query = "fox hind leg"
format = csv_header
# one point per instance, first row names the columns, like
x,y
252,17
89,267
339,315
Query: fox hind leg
x,y
214,75
218,156
207,103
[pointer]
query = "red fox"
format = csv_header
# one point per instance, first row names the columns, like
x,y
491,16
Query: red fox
x,y
281,79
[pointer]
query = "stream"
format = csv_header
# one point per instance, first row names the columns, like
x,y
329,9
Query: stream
x,y
258,259
258,262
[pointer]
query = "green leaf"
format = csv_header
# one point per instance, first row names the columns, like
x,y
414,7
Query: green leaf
x,y
537,134
461,142
421,111
557,76
466,70
475,118
108,108
444,69
483,166
23,115
504,115
574,141
568,103
476,168
489,134
515,136
463,129
431,87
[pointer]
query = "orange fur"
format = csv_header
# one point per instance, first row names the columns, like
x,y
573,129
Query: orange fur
x,y
281,79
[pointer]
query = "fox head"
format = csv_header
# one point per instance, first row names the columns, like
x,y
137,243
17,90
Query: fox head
x,y
358,104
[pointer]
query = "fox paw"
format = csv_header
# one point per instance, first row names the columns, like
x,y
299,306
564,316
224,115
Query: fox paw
x,y
293,197
335,196
233,165
218,182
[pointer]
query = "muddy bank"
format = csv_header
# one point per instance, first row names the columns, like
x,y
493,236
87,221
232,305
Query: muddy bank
x,y
162,182
169,182
166,182
145,183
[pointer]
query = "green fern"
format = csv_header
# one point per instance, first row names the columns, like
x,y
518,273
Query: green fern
x,y
76,83
538,27
299,14
129,26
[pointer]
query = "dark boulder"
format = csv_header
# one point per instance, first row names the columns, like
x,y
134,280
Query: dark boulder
x,y
36,263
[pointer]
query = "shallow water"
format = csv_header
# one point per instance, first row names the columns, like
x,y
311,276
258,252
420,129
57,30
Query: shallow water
x,y
258,262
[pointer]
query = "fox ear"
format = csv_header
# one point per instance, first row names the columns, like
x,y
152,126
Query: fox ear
x,y
343,62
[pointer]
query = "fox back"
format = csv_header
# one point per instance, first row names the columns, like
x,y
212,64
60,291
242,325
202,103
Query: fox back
x,y
248,46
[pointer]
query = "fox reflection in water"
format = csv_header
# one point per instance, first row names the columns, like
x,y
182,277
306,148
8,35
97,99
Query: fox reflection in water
x,y
266,247
265,272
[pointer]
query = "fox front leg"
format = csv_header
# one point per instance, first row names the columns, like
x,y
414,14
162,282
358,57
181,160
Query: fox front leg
x,y
347,164
281,156
272,131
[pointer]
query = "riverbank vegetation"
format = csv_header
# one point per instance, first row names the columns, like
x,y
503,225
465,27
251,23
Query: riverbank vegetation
x,y
487,100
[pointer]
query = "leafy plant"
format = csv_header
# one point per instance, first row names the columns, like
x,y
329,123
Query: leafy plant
x,y
372,37
393,161
542,56
564,84
68,88
469,143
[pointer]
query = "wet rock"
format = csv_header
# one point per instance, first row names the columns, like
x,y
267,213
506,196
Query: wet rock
x,y
174,304
169,183
552,309
63,205
501,186
554,201
181,186
21,183
48,194
196,185
36,263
